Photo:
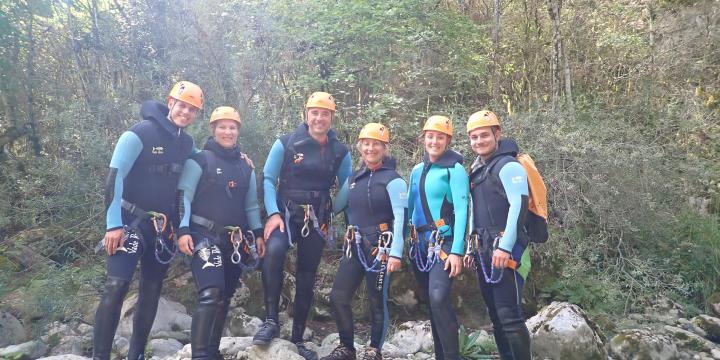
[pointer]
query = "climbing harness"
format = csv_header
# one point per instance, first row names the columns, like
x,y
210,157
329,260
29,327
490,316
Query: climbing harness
x,y
326,231
247,240
474,250
381,253
159,222
434,249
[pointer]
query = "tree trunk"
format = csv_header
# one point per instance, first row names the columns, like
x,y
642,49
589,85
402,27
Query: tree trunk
x,y
31,113
497,67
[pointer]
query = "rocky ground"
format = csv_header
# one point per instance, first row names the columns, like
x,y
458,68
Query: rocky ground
x,y
559,330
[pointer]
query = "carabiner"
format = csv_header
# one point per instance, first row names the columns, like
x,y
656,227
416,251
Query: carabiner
x,y
305,231
236,238
349,239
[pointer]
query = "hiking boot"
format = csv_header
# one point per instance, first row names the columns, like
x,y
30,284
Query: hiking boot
x,y
269,330
305,352
341,352
371,353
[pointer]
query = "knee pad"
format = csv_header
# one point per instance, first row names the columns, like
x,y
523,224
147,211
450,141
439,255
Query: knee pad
x,y
116,288
211,296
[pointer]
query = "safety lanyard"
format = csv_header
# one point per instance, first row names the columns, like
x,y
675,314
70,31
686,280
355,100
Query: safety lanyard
x,y
159,222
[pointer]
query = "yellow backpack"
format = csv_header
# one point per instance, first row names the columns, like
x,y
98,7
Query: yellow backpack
x,y
536,220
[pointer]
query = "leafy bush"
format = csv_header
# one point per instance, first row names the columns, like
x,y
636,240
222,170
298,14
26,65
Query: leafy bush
x,y
472,347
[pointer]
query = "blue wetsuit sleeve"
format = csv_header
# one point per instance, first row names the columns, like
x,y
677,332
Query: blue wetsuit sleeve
x,y
341,199
397,190
514,181
188,184
460,189
271,173
126,152
252,208
345,169
411,197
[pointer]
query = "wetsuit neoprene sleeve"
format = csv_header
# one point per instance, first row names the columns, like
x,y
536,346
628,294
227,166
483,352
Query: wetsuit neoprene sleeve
x,y
514,181
126,152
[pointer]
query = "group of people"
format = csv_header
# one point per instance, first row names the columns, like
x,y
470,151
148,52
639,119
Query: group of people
x,y
158,181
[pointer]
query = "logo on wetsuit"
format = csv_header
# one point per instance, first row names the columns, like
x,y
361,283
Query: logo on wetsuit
x,y
158,150
131,243
211,256
298,158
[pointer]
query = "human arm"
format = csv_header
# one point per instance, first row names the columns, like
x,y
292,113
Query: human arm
x,y
252,212
187,185
514,180
271,173
460,191
397,190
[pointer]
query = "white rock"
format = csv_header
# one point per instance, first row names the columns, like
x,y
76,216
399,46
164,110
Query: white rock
x,y
171,318
278,349
231,346
329,343
121,345
65,357
74,345
407,299
164,347
84,329
715,354
642,344
562,328
34,349
240,324
286,331
11,330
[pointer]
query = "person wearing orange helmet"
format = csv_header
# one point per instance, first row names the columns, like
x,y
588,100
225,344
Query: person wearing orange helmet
x,y
300,170
437,204
219,227
498,248
140,203
374,198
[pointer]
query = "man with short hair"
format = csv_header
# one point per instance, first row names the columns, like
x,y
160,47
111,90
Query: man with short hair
x,y
140,198
499,192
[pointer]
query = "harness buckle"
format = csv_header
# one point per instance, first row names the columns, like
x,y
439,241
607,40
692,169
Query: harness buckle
x,y
236,238
305,231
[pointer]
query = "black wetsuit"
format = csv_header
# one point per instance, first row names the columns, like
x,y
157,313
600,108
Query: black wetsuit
x,y
143,176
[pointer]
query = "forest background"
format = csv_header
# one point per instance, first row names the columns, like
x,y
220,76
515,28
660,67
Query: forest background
x,y
617,101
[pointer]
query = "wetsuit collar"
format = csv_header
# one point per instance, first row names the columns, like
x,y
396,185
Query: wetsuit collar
x,y
447,159
506,146
212,145
158,113
388,163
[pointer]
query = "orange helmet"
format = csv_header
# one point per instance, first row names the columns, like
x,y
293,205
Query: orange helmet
x,y
482,119
439,123
187,92
321,100
375,131
225,113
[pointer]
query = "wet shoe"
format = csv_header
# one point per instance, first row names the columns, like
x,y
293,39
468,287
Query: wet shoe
x,y
341,352
268,331
305,352
371,353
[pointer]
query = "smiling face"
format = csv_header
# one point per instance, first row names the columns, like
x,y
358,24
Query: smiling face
x,y
435,143
484,141
372,151
225,132
319,121
181,113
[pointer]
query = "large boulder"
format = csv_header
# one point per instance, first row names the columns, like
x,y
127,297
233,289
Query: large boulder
x,y
563,331
642,344
710,324
239,323
278,349
11,330
164,347
65,357
689,341
33,349
172,320
413,336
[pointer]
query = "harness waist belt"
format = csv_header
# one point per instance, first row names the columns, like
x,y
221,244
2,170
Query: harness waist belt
x,y
133,209
375,229
208,224
304,196
435,225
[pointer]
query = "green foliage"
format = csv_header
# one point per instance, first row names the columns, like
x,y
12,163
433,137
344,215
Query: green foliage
x,y
472,347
